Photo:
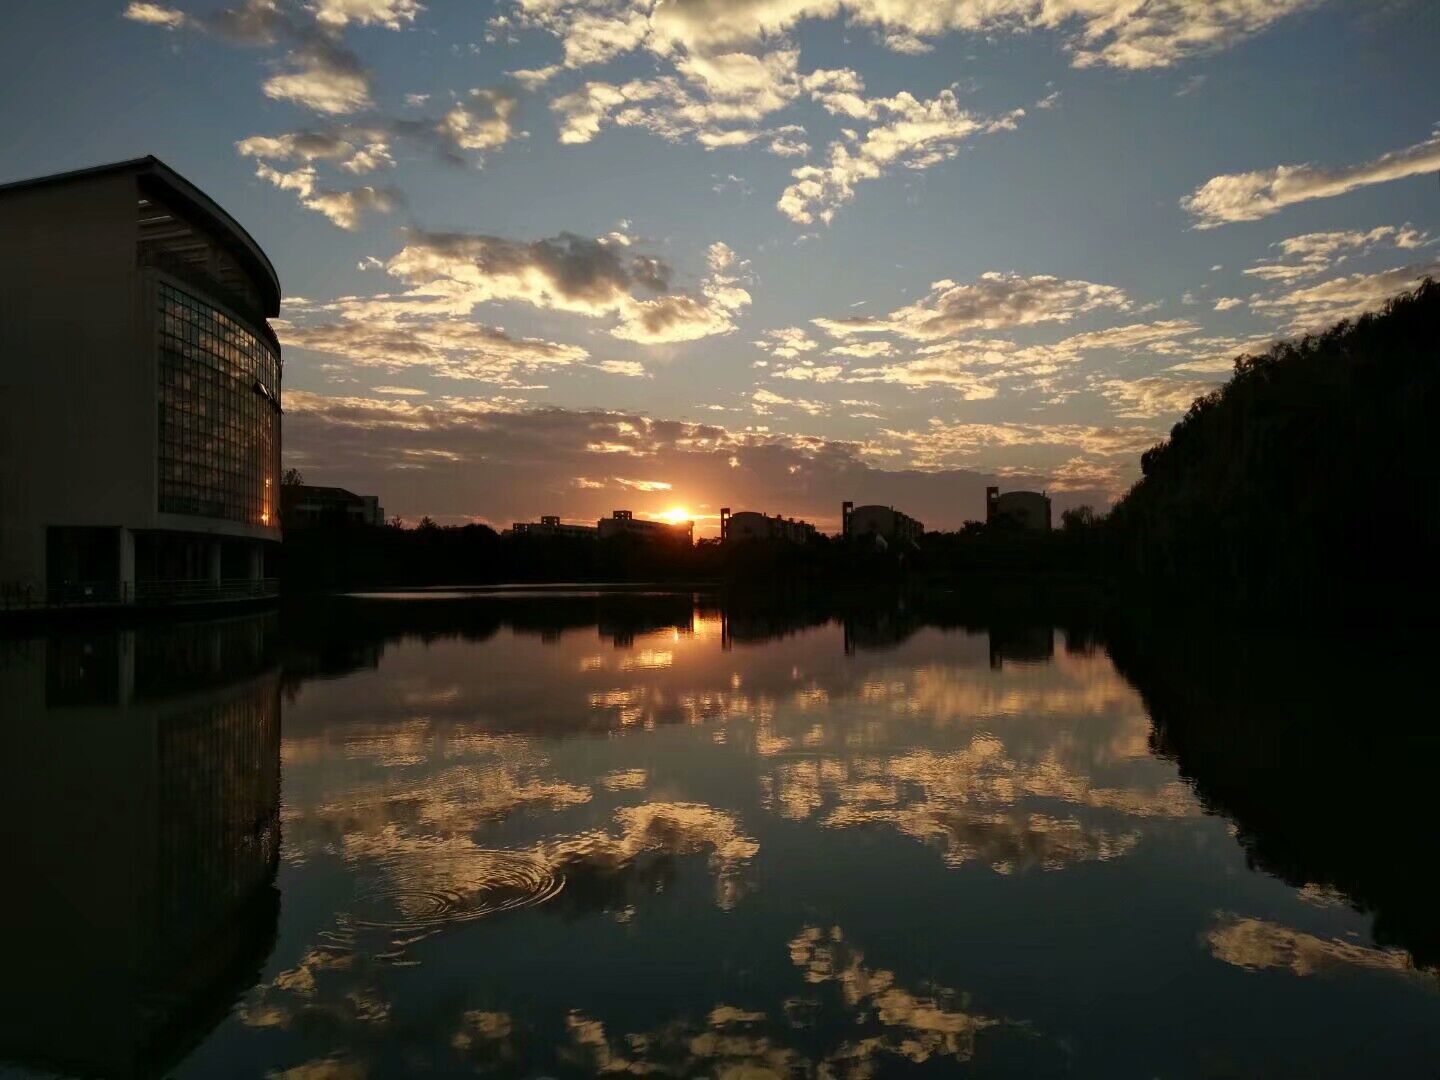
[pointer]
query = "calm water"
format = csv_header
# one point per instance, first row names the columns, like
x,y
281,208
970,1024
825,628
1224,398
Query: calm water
x,y
575,834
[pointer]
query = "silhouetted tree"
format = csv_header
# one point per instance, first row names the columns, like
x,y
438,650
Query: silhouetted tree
x,y
1305,476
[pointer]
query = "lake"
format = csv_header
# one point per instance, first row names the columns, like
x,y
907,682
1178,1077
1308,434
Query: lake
x,y
566,832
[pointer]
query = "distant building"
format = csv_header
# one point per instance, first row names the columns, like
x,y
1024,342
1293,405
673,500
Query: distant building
x,y
1026,509
140,436
304,506
624,523
553,526
752,525
884,523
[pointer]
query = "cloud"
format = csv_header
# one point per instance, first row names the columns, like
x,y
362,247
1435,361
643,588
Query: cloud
x,y
354,150
992,301
914,135
511,462
863,350
594,278
343,208
1253,195
1314,253
765,399
630,368
346,208
642,485
376,333
155,15
1317,306
810,372
976,368
1153,396
320,73
324,78
1226,303
944,371
1113,33
480,121
716,100
787,342
391,14
943,444
532,79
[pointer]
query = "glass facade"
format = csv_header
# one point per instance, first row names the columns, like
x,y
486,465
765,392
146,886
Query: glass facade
x,y
219,397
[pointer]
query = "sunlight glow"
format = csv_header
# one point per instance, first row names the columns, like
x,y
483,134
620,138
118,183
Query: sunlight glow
x,y
677,515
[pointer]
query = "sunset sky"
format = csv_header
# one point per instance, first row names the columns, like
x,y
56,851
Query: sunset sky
x,y
544,256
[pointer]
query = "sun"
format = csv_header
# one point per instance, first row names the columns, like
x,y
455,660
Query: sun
x,y
677,514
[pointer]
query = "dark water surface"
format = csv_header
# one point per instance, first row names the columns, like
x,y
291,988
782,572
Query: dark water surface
x,y
644,833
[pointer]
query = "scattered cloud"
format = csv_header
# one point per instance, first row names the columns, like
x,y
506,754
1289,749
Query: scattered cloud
x,y
1253,195
597,278
1108,33
1317,306
765,399
318,71
512,462
912,134
788,342
345,208
388,334
1314,253
155,15
1152,397
992,301
391,14
479,121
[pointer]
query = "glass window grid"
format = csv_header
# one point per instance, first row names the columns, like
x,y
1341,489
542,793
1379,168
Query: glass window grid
x,y
219,435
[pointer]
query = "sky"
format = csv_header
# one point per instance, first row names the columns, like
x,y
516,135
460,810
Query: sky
x,y
560,257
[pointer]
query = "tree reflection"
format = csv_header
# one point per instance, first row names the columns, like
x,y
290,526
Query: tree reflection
x,y
1316,748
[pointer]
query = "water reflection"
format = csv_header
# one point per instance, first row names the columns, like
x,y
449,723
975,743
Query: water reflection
x,y
141,797
657,834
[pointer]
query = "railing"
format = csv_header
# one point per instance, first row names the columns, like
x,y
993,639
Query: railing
x,y
204,590
150,593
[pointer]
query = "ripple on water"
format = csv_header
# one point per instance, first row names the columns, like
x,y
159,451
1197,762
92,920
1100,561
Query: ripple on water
x,y
482,883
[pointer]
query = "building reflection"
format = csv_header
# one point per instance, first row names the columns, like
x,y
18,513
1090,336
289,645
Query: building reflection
x,y
141,797
1021,644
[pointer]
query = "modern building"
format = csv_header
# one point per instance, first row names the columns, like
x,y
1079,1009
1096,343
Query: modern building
x,y
752,525
304,506
140,438
1025,509
624,523
551,525
882,524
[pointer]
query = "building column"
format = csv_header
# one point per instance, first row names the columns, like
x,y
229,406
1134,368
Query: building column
x,y
213,554
125,690
126,571
257,561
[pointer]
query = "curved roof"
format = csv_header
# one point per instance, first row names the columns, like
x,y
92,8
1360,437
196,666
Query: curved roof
x,y
153,174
